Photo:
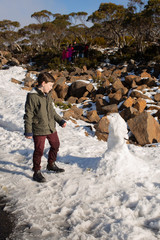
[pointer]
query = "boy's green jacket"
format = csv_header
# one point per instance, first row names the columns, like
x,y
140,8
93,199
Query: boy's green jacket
x,y
40,117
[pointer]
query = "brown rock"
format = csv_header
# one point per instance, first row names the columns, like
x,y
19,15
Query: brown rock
x,y
141,87
27,88
131,80
3,60
118,85
82,99
54,94
129,113
145,128
128,102
106,82
115,97
60,80
157,97
140,104
98,74
100,103
67,114
144,74
102,136
113,108
89,87
73,112
84,69
138,94
72,99
28,81
61,90
102,129
15,81
77,89
75,78
93,116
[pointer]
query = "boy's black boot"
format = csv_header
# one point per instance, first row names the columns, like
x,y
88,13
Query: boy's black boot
x,y
37,176
54,168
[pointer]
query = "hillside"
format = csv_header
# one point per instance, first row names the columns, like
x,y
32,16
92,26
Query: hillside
x,y
108,190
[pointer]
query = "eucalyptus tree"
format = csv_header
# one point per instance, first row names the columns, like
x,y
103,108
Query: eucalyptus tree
x,y
110,17
79,29
8,32
42,16
143,25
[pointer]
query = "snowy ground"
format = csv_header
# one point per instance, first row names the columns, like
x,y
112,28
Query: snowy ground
x,y
106,193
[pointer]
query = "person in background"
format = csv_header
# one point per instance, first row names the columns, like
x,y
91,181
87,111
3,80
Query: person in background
x,y
40,123
64,55
70,51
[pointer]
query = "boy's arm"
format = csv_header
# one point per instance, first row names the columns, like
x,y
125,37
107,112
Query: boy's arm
x,y
58,119
28,116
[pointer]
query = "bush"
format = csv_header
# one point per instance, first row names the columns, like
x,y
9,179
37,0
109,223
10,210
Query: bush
x,y
63,106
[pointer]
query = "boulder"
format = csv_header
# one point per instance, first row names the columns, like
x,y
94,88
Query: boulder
x,y
115,97
157,97
89,87
92,116
140,104
100,103
131,80
73,112
15,81
3,61
101,127
28,81
54,95
72,100
77,89
61,90
129,113
13,62
138,94
145,128
118,85
145,74
128,102
112,108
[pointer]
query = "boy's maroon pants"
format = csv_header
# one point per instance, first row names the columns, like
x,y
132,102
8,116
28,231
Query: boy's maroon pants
x,y
39,142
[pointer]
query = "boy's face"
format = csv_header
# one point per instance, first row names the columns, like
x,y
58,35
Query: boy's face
x,y
47,87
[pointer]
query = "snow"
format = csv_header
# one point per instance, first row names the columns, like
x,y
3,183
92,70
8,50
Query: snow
x,y
108,191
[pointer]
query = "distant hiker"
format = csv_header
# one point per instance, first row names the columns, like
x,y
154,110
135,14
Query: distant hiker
x,y
75,51
86,51
64,54
70,51
39,121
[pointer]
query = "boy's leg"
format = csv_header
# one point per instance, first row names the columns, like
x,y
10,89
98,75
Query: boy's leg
x,y
39,142
54,143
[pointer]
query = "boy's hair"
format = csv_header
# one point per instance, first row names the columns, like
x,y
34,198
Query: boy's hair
x,y
45,77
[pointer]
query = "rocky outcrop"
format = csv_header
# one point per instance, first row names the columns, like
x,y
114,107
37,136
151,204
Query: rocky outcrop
x,y
145,128
101,127
132,95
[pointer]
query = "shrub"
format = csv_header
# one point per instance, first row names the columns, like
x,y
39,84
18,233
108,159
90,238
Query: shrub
x,y
63,105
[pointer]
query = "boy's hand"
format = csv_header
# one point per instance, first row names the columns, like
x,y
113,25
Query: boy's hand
x,y
64,125
28,137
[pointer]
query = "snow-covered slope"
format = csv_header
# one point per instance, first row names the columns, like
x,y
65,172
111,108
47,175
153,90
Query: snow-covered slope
x,y
106,192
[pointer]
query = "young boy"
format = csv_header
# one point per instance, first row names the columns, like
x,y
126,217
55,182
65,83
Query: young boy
x,y
40,123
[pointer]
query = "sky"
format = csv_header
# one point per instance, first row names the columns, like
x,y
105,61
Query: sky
x,y
109,190
21,10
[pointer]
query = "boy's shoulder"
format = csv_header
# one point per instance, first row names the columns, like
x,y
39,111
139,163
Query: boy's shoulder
x,y
33,91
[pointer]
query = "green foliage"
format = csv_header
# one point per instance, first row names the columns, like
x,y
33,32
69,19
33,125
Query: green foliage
x,y
99,41
63,106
